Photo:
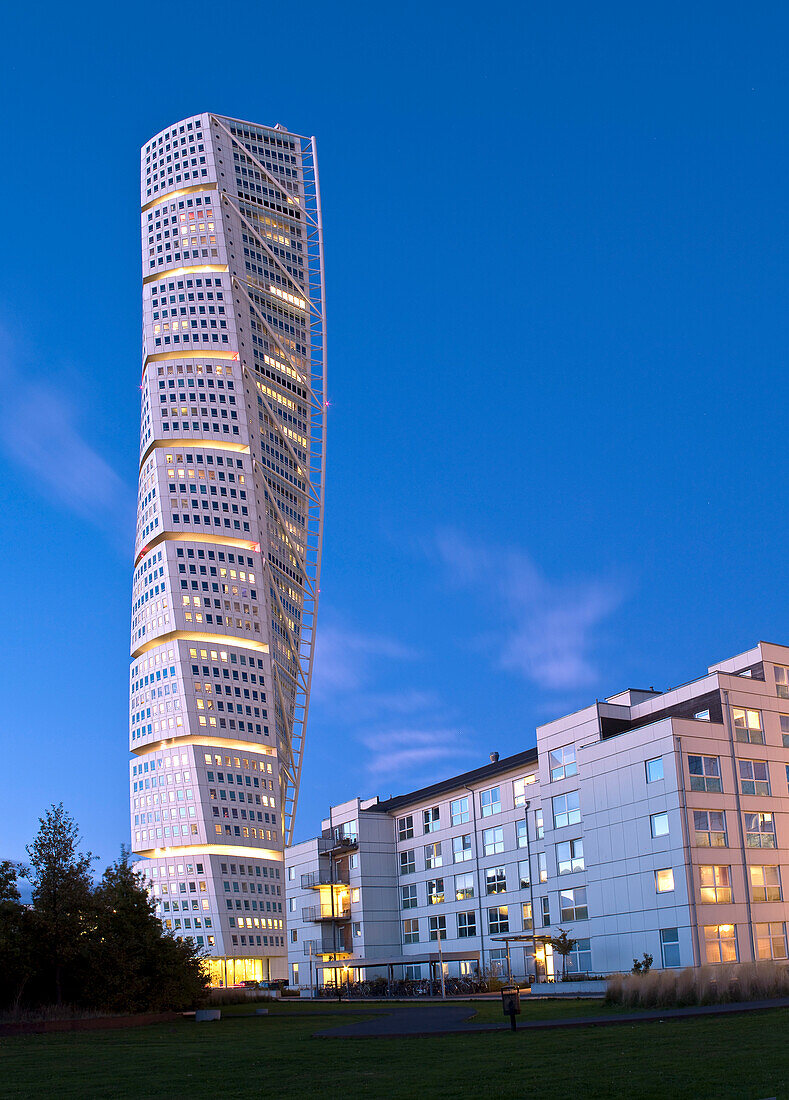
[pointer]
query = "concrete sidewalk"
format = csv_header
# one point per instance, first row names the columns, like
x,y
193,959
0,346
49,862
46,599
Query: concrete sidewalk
x,y
458,1020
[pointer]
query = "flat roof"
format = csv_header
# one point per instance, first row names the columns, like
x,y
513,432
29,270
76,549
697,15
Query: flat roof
x,y
487,771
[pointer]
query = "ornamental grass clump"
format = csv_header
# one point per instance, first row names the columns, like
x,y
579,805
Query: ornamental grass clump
x,y
702,985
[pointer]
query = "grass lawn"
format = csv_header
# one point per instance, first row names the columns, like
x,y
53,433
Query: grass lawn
x,y
739,1056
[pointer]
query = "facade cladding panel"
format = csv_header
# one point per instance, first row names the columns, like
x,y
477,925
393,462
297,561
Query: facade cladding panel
x,y
229,527
648,822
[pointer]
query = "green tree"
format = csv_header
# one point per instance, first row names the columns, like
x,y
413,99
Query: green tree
x,y
135,966
62,897
17,960
563,945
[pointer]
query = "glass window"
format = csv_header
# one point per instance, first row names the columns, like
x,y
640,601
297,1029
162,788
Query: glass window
x,y
524,874
759,830
498,919
437,928
493,841
765,883
748,725
433,857
539,827
781,681
528,922
562,763
771,940
710,827
720,942
715,883
464,887
545,912
519,789
461,848
654,769
430,820
490,802
407,863
542,866
579,961
664,880
467,924
411,930
658,823
458,811
705,773
408,896
754,776
784,720
566,809
572,904
435,891
521,833
495,880
405,827
669,946
570,856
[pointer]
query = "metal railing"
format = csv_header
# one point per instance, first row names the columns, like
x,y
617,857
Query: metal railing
x,y
323,912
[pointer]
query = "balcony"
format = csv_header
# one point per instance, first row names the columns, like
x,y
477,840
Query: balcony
x,y
324,913
337,841
324,877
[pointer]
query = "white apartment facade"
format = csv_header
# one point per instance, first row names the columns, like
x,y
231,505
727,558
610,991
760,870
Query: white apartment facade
x,y
648,822
229,525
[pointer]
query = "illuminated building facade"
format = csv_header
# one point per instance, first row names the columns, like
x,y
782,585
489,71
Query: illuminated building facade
x,y
649,821
229,527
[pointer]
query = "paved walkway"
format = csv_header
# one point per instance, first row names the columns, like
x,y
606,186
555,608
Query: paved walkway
x,y
457,1020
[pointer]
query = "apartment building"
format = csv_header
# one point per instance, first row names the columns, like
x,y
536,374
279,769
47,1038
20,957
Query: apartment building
x,y
646,822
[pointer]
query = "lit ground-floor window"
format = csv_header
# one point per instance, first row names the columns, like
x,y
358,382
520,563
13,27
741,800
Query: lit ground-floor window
x,y
720,942
771,940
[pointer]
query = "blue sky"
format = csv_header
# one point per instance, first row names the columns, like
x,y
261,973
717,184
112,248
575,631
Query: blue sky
x,y
556,270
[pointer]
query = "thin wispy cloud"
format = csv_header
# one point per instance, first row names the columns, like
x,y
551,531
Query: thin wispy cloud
x,y
406,733
344,659
41,433
398,752
543,629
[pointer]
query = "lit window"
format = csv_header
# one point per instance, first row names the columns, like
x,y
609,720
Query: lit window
x,y
720,942
464,887
765,883
771,940
664,880
748,725
715,883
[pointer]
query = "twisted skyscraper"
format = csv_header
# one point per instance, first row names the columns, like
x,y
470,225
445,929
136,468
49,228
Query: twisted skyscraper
x,y
229,526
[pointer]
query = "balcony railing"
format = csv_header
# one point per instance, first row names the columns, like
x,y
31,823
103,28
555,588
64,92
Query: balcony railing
x,y
337,841
323,877
323,912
